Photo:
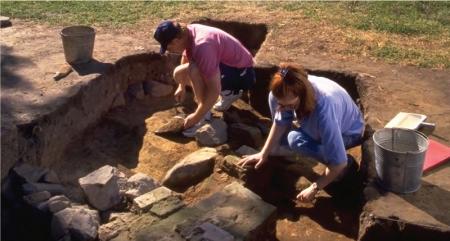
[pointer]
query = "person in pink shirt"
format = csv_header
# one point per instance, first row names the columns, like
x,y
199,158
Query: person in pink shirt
x,y
213,62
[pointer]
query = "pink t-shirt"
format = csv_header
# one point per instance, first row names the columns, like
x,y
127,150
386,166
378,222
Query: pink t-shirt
x,y
212,46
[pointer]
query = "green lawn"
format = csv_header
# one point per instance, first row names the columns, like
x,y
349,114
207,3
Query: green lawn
x,y
411,18
103,13
427,21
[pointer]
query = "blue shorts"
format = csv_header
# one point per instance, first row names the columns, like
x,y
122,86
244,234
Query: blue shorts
x,y
236,79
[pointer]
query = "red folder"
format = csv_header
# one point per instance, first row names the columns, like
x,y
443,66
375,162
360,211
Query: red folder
x,y
437,154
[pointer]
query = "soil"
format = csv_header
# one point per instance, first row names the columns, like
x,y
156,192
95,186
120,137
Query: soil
x,y
125,136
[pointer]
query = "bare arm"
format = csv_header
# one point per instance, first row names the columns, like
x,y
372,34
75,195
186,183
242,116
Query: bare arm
x,y
206,93
330,174
184,60
274,137
209,96
332,171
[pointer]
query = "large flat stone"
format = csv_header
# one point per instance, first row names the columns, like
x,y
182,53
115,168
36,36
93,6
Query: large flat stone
x,y
145,202
167,206
120,222
235,210
423,215
240,212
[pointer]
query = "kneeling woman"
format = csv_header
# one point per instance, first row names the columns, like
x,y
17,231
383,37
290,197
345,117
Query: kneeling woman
x,y
330,122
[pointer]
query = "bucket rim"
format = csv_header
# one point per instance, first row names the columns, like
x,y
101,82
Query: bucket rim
x,y
91,32
402,129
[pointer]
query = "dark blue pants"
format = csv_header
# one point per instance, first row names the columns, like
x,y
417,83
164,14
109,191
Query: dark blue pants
x,y
236,79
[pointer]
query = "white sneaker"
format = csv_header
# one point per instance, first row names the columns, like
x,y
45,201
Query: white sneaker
x,y
226,99
190,132
207,116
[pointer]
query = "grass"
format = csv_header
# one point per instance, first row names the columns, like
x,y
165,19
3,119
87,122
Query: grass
x,y
404,25
395,54
411,18
101,13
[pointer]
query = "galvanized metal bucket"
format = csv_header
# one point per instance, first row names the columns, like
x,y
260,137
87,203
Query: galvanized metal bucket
x,y
399,158
78,43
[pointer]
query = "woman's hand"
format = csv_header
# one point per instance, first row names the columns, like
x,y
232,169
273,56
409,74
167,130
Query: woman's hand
x,y
180,94
257,160
308,194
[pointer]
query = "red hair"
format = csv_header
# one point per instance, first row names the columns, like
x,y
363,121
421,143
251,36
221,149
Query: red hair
x,y
293,79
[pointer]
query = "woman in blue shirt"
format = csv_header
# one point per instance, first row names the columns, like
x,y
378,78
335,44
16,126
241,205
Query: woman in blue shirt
x,y
329,122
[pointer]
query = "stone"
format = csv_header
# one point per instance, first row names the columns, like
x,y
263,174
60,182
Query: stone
x,y
101,187
230,166
234,210
122,236
214,233
5,22
174,126
139,184
53,189
120,223
79,222
159,236
157,89
62,72
134,223
212,134
240,212
58,203
246,135
192,230
246,150
42,206
145,202
191,169
51,177
37,197
167,206
30,173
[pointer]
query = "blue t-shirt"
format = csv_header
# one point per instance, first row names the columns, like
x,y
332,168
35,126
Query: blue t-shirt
x,y
335,115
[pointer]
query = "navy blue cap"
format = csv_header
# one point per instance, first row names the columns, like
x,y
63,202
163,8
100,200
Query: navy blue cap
x,y
164,33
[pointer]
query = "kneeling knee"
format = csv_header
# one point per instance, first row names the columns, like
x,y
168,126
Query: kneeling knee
x,y
292,138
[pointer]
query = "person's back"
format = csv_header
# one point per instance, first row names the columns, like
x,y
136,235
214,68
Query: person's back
x,y
332,98
212,46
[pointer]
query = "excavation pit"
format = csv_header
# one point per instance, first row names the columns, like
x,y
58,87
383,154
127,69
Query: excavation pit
x,y
124,137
